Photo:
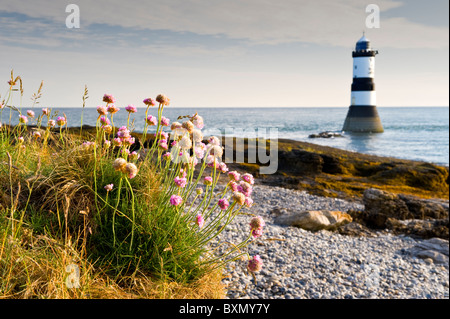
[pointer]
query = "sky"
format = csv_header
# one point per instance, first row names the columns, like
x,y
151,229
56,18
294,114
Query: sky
x,y
224,53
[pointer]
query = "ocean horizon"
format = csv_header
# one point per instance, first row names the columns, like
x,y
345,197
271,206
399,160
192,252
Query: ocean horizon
x,y
414,133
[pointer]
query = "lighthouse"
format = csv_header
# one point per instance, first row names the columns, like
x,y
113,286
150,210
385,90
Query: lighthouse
x,y
362,115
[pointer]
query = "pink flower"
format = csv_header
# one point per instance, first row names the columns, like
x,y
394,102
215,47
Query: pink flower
x,y
180,182
164,121
123,133
149,101
51,123
102,110
223,204
108,98
175,200
104,120
109,187
162,144
257,222
233,185
248,202
248,178
255,264
117,142
23,119
36,135
257,232
245,188
45,111
197,120
131,170
234,176
208,180
112,109
214,140
167,156
61,120
223,167
30,114
131,108
200,221
164,100
151,120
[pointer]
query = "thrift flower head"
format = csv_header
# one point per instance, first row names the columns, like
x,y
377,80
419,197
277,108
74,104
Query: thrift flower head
x,y
257,232
30,114
197,120
185,143
107,143
45,111
214,140
200,221
117,142
197,135
239,198
23,119
255,264
131,170
165,121
131,108
107,129
51,123
223,203
175,200
257,222
234,176
108,98
21,139
248,202
119,164
149,101
248,178
162,144
102,110
167,156
223,167
151,120
188,126
199,191
208,180
180,182
36,135
216,150
245,188
164,100
104,120
233,185
109,187
61,120
112,109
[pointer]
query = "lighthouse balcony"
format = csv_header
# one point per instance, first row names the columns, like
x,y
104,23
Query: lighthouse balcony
x,y
364,53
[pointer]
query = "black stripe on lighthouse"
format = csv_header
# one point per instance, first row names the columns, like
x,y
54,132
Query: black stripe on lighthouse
x,y
363,84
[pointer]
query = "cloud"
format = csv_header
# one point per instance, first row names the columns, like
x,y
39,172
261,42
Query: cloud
x,y
327,22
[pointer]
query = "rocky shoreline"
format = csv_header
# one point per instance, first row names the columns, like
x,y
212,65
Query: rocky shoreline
x,y
305,264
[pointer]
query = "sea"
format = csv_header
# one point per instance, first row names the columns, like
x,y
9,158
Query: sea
x,y
414,133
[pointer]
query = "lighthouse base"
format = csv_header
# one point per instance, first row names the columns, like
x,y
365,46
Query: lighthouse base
x,y
363,118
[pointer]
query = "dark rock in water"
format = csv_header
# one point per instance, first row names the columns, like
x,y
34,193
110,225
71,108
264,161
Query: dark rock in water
x,y
326,135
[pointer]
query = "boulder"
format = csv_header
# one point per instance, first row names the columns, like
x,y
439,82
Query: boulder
x,y
312,220
436,249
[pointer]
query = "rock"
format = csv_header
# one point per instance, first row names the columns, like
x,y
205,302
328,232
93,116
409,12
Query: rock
x,y
326,135
386,210
436,249
355,229
313,220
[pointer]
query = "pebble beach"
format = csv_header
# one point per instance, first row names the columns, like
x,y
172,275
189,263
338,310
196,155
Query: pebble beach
x,y
301,264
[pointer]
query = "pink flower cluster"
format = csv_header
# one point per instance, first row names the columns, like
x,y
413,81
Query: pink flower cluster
x,y
255,264
124,136
257,223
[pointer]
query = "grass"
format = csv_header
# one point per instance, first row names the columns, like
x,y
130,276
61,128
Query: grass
x,y
65,235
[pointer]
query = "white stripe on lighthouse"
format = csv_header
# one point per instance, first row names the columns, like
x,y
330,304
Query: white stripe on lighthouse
x,y
363,67
364,98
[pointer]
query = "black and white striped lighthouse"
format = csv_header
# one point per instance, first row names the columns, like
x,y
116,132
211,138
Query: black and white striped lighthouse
x,y
362,115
